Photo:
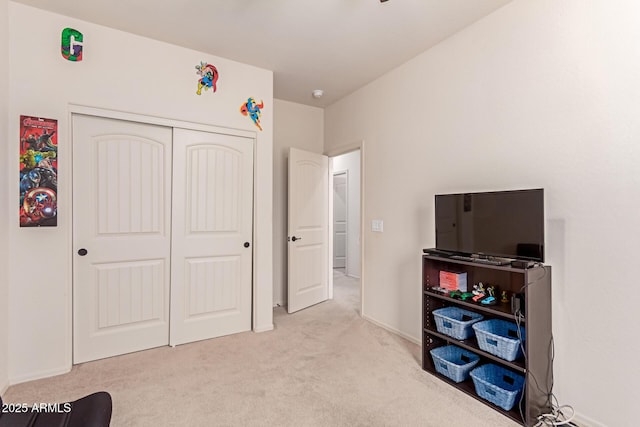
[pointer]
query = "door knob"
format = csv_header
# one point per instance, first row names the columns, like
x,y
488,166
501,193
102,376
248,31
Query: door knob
x,y
247,244
294,238
82,252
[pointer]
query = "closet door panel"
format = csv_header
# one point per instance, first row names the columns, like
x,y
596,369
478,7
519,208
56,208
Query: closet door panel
x,y
212,235
121,236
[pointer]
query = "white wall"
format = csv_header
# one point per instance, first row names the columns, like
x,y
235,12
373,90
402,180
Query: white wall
x,y
299,126
124,72
350,162
4,207
539,94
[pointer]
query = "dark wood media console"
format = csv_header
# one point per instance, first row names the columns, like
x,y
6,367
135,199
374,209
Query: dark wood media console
x,y
536,366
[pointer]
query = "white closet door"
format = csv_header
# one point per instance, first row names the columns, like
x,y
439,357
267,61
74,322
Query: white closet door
x,y
212,235
121,212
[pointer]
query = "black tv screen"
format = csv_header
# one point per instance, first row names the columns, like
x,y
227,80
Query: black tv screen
x,y
508,224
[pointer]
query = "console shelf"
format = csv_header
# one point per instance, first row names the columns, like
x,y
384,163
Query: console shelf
x,y
499,310
536,367
471,345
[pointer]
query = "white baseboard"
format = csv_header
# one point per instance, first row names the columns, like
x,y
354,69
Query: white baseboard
x,y
3,388
39,375
584,421
264,328
394,330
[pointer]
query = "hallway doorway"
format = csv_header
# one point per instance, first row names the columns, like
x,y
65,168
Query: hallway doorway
x,y
346,220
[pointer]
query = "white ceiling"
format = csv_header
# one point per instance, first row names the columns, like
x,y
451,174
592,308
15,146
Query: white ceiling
x,y
334,45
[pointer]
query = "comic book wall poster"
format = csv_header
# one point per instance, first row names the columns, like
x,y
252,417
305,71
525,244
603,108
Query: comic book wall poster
x,y
38,172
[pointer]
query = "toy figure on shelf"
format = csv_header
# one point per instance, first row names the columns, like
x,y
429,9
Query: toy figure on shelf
x,y
504,298
466,296
490,299
455,294
478,288
479,292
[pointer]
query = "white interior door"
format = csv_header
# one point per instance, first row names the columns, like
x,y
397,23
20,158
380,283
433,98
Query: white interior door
x,y
121,236
308,208
340,220
212,235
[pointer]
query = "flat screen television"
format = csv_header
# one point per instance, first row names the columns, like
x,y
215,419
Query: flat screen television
x,y
506,224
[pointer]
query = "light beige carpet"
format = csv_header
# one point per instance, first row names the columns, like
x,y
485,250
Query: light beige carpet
x,y
323,366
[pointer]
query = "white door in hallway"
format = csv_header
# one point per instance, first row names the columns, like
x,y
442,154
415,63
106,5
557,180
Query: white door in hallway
x,y
308,210
340,219
212,235
121,236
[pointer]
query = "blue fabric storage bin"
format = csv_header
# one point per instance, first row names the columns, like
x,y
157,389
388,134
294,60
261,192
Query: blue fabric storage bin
x,y
500,338
455,322
454,362
498,385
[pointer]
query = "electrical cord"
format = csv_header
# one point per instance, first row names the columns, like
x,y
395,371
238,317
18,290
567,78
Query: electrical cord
x,y
556,417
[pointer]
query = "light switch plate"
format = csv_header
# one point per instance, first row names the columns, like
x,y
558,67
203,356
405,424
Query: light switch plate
x,y
377,225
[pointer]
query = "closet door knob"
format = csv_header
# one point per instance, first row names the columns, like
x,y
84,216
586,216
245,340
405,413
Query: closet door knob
x,y
82,252
294,238
247,244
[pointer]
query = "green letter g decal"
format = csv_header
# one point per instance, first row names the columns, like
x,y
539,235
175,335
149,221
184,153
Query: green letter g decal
x,y
71,44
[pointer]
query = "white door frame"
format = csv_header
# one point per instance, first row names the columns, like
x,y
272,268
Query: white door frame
x,y
141,118
344,149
